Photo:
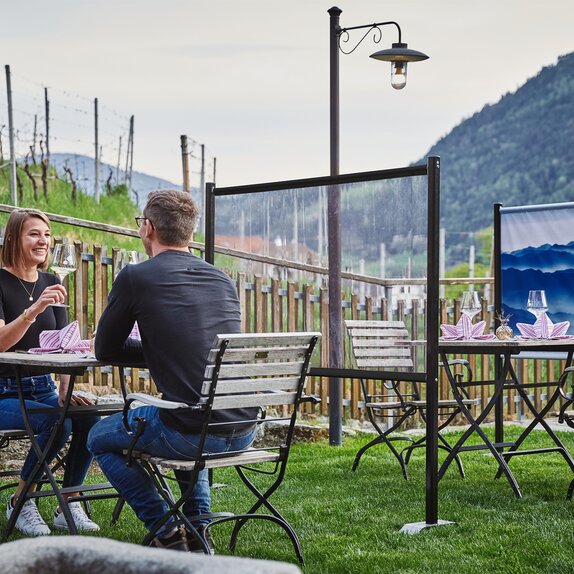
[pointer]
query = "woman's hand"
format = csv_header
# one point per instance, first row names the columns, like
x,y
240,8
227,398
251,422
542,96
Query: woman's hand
x,y
77,400
52,294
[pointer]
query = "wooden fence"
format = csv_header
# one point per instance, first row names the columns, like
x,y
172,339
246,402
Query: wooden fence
x,y
275,305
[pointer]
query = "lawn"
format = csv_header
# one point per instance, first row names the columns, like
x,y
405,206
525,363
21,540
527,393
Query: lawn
x,y
349,521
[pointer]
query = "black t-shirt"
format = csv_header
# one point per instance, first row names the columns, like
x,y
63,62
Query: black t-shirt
x,y
14,298
180,303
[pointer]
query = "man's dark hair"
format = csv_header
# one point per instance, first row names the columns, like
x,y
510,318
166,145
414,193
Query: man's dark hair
x,y
173,215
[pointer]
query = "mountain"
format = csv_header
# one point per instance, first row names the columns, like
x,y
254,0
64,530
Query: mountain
x,y
83,171
545,258
516,152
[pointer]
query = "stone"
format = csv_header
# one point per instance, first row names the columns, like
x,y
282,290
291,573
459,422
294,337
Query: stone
x,y
93,555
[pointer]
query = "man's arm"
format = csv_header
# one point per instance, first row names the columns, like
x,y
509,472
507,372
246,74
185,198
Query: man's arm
x,y
112,342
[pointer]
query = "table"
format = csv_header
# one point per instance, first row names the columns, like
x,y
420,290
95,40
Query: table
x,y
64,363
505,378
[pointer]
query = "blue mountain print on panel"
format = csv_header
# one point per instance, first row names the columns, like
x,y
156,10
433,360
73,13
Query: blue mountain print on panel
x,y
548,267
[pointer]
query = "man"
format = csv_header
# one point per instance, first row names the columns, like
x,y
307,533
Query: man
x,y
180,303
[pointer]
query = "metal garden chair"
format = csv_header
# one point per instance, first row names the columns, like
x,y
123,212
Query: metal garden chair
x,y
244,370
385,345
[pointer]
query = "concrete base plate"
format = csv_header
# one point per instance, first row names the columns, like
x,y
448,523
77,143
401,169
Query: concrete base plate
x,y
416,527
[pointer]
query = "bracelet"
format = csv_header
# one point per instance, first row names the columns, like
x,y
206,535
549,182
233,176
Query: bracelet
x,y
25,317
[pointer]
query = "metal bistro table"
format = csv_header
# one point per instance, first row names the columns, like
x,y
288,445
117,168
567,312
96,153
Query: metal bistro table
x,y
63,363
506,379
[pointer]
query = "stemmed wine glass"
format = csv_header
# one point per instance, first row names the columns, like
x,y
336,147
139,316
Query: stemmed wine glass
x,y
63,263
470,304
537,302
125,258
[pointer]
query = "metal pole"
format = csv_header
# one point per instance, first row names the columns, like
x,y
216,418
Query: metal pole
x,y
97,152
13,194
334,248
497,268
209,254
433,164
185,163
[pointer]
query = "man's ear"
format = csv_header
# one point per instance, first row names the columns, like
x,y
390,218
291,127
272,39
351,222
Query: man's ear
x,y
149,228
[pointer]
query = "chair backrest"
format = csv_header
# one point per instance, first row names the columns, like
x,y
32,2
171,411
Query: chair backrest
x,y
379,345
257,370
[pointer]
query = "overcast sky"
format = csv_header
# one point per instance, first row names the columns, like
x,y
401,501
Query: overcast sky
x,y
250,78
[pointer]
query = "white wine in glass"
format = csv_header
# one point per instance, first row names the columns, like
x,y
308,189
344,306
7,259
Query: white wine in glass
x,y
63,263
470,304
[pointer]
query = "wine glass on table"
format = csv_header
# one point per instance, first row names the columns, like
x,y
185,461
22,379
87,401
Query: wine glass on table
x,y
63,263
470,304
537,303
124,258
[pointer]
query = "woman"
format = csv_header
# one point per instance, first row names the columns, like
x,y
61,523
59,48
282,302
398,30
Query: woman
x,y
26,293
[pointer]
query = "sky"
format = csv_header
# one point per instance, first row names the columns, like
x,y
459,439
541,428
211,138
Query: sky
x,y
535,226
249,79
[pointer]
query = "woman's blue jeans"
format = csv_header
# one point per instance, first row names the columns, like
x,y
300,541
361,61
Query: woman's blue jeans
x,y
108,439
39,392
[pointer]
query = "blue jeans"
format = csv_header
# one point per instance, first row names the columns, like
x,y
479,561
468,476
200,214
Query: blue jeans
x,y
39,392
109,438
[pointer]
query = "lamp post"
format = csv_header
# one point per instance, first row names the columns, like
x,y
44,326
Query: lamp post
x,y
398,55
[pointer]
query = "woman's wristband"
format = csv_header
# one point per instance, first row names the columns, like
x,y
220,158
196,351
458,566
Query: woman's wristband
x,y
26,318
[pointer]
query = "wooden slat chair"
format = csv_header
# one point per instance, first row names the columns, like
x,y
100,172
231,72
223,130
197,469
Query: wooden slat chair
x,y
385,345
244,370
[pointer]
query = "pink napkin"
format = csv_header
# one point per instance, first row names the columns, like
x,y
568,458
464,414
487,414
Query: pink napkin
x,y
66,340
135,332
544,328
464,329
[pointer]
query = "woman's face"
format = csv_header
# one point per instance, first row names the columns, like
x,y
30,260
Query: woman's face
x,y
34,241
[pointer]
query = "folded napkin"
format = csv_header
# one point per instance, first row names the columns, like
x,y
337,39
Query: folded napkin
x,y
66,340
135,332
464,329
544,328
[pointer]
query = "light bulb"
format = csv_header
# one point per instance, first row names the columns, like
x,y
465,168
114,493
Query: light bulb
x,y
398,75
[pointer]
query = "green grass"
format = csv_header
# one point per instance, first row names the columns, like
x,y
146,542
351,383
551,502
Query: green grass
x,y
349,522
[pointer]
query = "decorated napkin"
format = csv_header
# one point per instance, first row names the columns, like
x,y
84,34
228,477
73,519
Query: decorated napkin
x,y
66,340
464,329
544,328
135,332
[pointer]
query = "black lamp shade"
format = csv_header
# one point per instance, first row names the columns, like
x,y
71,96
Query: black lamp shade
x,y
399,53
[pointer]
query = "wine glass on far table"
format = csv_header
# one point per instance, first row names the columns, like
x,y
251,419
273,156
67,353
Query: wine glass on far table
x,y
124,258
63,263
470,304
537,303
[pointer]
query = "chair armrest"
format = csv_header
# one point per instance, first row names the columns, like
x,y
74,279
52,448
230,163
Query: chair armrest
x,y
315,399
464,363
147,400
155,401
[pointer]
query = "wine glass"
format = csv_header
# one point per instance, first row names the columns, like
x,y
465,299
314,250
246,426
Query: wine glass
x,y
537,302
470,304
63,263
125,258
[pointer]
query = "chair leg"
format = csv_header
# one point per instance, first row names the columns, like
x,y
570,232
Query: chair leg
x,y
117,510
448,448
383,438
570,490
263,500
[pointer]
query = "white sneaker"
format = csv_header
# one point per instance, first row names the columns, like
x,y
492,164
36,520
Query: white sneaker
x,y
29,521
81,520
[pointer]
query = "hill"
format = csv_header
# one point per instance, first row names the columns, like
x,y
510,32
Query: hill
x,y
517,151
83,169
